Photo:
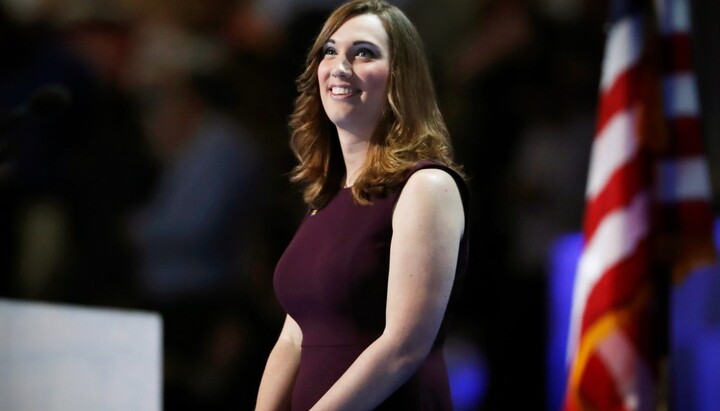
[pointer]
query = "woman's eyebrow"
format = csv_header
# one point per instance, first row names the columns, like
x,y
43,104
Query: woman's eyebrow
x,y
356,42
367,42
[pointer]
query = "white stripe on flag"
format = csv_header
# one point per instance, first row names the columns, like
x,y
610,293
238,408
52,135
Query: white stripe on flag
x,y
614,146
682,179
680,97
625,41
673,16
633,380
616,238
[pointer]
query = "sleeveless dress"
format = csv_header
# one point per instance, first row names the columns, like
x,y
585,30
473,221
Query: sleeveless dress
x,y
332,280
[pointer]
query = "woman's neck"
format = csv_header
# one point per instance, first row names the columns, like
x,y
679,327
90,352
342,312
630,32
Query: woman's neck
x,y
354,149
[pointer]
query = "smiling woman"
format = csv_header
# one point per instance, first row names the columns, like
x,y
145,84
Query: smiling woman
x,y
372,270
352,78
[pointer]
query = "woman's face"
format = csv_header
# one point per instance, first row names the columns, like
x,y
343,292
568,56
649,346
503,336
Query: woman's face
x,y
353,74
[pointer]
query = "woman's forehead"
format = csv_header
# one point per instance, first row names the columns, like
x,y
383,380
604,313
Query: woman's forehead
x,y
363,27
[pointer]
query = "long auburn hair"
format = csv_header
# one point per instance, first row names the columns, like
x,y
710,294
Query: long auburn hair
x,y
411,127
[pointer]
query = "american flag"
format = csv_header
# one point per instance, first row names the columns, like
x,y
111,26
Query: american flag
x,y
647,207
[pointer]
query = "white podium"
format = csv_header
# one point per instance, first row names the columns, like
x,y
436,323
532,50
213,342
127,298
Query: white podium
x,y
62,358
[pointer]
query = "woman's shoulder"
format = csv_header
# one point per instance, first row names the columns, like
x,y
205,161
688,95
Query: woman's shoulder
x,y
430,195
431,185
430,176
430,179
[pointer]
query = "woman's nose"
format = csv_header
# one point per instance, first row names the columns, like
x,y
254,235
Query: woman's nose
x,y
342,69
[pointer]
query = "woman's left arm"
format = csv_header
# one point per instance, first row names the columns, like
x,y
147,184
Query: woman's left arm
x,y
428,224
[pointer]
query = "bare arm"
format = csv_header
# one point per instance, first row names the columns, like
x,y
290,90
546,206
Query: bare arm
x,y
427,226
280,370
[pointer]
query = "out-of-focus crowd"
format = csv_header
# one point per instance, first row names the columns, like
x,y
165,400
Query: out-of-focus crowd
x,y
163,184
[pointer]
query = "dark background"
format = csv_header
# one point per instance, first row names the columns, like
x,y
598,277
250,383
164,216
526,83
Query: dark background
x,y
163,183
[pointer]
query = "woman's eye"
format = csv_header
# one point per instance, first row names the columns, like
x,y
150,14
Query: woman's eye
x,y
329,51
365,52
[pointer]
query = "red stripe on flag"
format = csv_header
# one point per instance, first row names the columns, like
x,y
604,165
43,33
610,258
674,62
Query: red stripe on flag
x,y
686,137
619,191
598,386
696,217
689,217
623,94
618,286
676,53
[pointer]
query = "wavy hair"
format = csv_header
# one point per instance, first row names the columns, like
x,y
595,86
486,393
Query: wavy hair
x,y
411,127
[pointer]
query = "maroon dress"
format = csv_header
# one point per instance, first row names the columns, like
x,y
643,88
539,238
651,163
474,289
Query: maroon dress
x,y
332,279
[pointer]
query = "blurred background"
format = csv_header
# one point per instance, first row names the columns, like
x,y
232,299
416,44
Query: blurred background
x,y
163,183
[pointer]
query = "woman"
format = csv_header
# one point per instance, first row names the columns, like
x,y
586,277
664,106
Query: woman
x,y
370,272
